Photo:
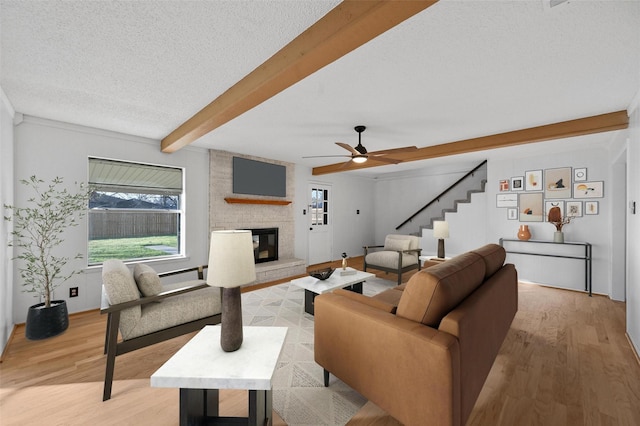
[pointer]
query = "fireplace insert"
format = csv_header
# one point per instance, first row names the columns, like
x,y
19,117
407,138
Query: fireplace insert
x,y
265,244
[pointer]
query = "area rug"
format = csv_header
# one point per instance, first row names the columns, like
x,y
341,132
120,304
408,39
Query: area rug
x,y
299,395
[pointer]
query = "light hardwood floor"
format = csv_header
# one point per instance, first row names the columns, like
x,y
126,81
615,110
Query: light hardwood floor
x,y
565,361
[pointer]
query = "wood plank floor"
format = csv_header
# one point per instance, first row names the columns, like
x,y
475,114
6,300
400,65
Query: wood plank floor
x,y
565,361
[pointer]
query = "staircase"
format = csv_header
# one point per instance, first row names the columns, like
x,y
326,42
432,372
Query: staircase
x,y
448,201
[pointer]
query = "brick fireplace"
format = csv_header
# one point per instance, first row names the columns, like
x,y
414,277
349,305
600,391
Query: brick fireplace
x,y
225,215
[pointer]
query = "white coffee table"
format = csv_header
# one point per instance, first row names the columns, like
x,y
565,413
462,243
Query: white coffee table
x,y
313,286
200,368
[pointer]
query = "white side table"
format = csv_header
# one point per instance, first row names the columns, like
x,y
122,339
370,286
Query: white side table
x,y
200,368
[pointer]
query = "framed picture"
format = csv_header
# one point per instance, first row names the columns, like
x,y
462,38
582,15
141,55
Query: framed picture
x,y
557,183
580,174
517,183
504,185
512,213
507,200
590,207
533,180
548,205
574,208
530,207
588,189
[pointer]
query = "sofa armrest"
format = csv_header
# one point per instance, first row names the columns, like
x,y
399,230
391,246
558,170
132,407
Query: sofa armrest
x,y
408,369
106,308
360,298
199,269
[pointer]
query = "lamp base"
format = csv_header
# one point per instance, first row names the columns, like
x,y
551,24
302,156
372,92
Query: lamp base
x,y
231,332
441,248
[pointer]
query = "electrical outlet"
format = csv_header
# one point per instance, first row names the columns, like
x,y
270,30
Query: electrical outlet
x,y
73,292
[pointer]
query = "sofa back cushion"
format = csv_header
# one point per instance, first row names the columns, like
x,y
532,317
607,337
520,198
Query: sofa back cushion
x,y
493,256
433,292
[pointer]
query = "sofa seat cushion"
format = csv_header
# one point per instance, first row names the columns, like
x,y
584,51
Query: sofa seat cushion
x,y
175,310
434,292
389,259
147,280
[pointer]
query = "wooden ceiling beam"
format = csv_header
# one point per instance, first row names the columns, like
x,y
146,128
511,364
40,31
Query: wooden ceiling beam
x,y
583,126
346,27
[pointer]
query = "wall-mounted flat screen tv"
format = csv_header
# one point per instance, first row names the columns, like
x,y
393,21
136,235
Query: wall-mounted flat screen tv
x,y
259,178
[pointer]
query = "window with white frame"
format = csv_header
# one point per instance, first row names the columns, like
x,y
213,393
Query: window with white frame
x,y
135,211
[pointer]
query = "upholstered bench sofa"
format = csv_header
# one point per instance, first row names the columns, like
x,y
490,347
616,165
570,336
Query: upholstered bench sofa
x,y
146,312
421,351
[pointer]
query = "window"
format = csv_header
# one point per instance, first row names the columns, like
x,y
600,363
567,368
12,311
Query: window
x,y
135,211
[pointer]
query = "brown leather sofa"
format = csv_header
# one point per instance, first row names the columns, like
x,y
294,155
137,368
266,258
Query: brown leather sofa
x,y
421,351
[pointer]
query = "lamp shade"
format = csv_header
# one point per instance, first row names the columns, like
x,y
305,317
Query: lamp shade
x,y
440,229
231,261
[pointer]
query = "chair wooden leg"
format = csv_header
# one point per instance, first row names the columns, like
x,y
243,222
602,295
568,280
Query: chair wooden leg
x,y
326,378
111,346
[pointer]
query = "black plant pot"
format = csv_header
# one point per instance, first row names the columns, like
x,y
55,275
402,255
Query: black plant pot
x,y
43,323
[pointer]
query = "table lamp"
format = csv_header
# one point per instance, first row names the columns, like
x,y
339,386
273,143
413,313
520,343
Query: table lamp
x,y
440,231
231,265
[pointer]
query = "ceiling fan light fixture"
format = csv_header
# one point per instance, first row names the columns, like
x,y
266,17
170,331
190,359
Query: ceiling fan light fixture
x,y
359,159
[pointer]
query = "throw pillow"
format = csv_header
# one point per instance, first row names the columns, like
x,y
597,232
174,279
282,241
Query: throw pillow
x,y
147,280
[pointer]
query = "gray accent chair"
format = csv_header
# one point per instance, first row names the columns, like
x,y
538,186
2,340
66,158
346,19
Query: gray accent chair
x,y
399,254
147,312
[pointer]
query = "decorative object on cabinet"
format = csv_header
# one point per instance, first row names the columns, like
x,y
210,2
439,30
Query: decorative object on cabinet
x,y
588,189
533,180
523,233
530,206
557,183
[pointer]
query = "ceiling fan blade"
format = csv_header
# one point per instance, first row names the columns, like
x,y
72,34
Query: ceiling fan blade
x,y
325,156
386,160
394,150
348,148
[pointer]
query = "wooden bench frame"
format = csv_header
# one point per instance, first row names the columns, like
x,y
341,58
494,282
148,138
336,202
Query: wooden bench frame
x,y
113,348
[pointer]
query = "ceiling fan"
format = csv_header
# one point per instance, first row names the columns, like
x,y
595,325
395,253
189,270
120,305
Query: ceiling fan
x,y
359,153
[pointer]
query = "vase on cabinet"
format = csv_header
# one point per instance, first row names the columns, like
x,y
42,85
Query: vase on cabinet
x,y
523,233
558,237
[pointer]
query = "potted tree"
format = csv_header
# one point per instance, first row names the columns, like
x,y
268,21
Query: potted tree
x,y
37,232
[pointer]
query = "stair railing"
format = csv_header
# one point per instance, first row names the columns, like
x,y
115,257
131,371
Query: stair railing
x,y
442,194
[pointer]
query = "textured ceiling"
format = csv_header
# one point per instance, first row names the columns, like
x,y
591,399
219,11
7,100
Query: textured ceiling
x,y
457,70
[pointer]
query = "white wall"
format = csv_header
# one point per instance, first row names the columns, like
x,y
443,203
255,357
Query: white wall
x,y
594,229
351,231
6,197
633,226
49,149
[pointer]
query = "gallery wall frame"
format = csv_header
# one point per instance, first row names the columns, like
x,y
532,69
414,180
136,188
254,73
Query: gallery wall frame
x,y
548,205
504,185
593,189
533,180
512,213
517,183
530,207
580,174
507,200
591,207
574,208
557,183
